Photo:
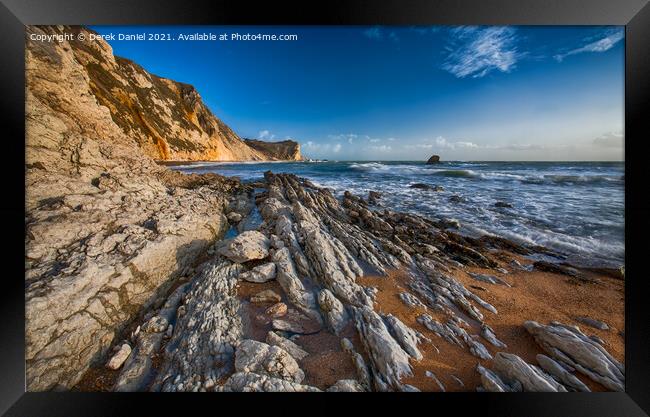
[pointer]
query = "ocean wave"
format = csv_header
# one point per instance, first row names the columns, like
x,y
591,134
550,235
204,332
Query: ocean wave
x,y
562,179
458,173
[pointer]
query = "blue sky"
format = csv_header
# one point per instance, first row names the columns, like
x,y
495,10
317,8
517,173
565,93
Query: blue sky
x,y
404,93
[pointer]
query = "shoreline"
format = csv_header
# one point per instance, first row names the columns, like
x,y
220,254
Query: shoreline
x,y
572,293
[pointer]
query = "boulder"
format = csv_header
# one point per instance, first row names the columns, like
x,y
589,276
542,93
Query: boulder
x,y
259,274
120,357
245,247
266,296
263,359
433,160
276,310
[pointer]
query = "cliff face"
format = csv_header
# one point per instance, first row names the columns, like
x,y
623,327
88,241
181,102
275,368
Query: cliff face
x,y
167,119
286,150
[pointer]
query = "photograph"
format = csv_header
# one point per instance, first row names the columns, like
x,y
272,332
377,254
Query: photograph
x,y
341,208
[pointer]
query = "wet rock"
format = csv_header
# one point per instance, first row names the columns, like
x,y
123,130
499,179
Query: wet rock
x,y
433,160
276,310
246,246
335,314
120,357
263,359
456,199
449,223
502,204
283,343
259,274
374,197
421,186
596,324
568,345
252,382
266,296
346,385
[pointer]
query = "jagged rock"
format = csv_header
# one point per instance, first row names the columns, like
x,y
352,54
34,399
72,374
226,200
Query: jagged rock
x,y
292,285
136,373
560,373
531,378
346,385
421,186
263,359
458,381
120,357
433,160
277,310
266,296
411,300
293,349
363,373
208,328
433,376
246,246
439,329
502,204
449,223
490,279
296,322
488,334
405,336
252,382
374,197
491,381
260,274
597,324
234,217
570,346
335,313
555,268
389,362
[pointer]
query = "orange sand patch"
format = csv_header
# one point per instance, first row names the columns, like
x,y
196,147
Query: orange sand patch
x,y
538,296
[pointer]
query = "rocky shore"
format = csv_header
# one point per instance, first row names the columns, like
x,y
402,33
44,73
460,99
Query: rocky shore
x,y
139,278
397,302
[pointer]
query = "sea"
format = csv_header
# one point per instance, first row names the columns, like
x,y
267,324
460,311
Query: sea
x,y
574,208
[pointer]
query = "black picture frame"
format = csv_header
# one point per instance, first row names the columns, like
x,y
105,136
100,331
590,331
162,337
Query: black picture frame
x,y
634,14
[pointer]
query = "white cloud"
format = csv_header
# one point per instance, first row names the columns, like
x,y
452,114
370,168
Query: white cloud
x,y
611,38
265,135
374,33
377,34
349,137
477,51
380,148
610,140
442,143
374,140
321,148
